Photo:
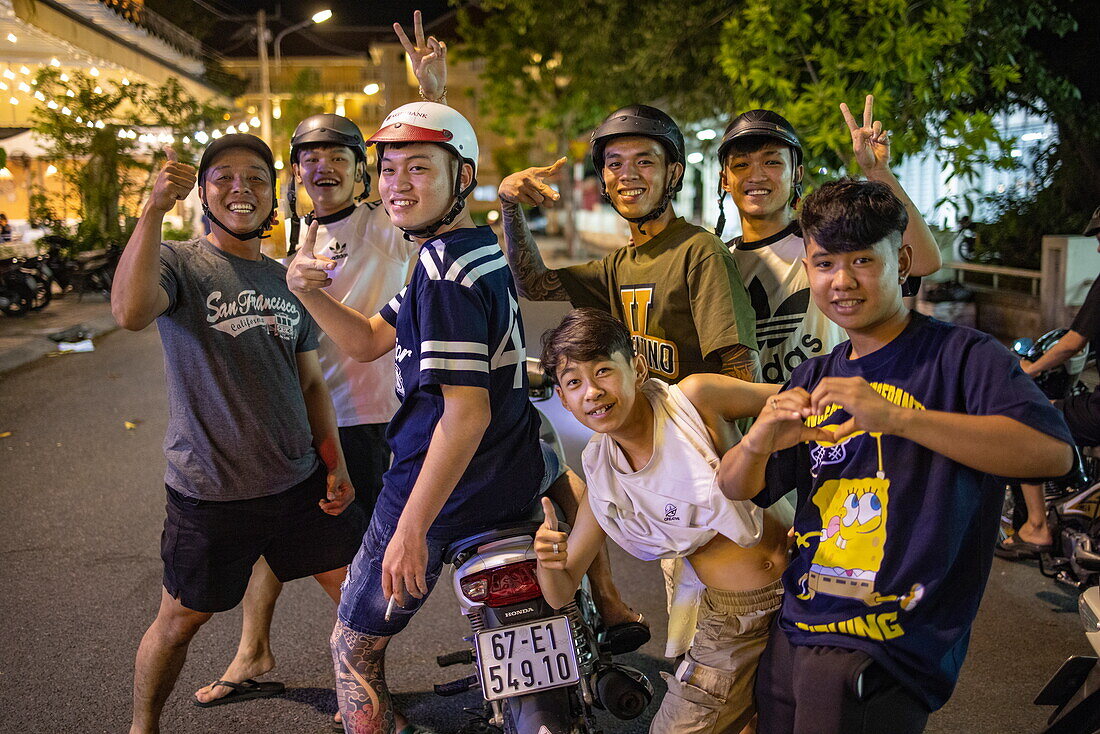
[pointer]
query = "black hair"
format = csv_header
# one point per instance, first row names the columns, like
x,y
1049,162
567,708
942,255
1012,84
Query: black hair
x,y
848,215
584,335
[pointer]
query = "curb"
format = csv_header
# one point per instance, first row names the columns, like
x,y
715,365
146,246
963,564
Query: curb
x,y
38,347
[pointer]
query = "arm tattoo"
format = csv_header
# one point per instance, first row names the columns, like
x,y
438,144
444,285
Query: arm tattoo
x,y
741,362
534,280
359,661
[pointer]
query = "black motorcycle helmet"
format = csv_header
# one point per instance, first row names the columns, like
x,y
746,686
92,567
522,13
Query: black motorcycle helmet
x,y
324,129
758,124
248,142
645,121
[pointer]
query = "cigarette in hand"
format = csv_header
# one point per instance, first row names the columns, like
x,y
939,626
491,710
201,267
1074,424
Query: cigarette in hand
x,y
390,606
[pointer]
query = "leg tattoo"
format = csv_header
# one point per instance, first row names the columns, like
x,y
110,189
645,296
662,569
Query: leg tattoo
x,y
359,661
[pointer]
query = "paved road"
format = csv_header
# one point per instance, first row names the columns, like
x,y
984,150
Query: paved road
x,y
80,516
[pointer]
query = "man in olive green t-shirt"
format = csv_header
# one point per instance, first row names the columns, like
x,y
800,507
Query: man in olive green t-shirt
x,y
676,287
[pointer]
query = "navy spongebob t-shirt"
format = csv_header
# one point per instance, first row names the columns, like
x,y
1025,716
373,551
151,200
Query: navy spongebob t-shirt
x,y
893,541
458,323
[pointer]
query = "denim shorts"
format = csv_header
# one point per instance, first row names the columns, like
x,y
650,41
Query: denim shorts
x,y
362,603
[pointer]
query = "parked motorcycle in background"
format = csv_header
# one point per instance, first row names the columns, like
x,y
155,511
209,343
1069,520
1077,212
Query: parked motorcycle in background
x,y
540,670
1073,503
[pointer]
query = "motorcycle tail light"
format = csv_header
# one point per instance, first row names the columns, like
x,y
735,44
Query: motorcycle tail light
x,y
499,587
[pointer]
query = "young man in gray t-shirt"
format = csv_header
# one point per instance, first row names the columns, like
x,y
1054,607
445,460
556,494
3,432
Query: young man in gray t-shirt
x,y
254,461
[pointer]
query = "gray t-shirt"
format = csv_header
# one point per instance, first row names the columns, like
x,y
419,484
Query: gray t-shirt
x,y
237,423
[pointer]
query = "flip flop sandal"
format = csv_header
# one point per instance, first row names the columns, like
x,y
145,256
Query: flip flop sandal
x,y
628,636
1015,549
243,691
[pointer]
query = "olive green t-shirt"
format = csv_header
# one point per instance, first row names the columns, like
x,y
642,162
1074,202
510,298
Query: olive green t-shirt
x,y
680,294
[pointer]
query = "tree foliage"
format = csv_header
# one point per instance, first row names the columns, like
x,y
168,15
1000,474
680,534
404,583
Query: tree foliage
x,y
84,124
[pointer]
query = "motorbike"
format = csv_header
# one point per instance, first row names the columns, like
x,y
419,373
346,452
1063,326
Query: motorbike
x,y
1075,688
540,670
1073,502
18,287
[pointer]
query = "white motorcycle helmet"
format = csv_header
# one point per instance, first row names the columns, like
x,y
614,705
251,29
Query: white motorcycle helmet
x,y
431,122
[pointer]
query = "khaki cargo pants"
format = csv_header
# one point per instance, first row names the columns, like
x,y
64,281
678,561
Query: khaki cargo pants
x,y
711,691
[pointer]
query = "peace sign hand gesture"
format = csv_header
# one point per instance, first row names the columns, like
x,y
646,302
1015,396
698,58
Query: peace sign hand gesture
x,y
870,143
429,59
529,187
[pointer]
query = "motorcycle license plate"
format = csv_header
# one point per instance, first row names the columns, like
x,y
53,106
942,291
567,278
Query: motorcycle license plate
x,y
527,657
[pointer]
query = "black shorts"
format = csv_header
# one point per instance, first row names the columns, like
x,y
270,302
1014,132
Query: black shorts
x,y
367,456
209,547
1082,413
812,689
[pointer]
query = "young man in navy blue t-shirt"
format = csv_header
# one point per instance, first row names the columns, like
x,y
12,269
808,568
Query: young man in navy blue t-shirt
x,y
465,441
889,442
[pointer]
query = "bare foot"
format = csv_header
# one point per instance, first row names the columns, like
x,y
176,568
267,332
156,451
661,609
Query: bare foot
x,y
1037,535
242,668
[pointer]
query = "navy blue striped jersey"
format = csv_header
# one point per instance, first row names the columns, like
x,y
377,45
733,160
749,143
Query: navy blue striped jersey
x,y
458,323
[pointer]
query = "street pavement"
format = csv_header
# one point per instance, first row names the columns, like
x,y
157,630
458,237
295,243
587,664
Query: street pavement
x,y
81,508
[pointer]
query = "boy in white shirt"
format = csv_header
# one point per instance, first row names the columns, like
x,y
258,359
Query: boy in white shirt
x,y
652,488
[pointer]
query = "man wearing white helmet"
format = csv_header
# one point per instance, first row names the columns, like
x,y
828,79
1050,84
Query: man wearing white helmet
x,y
371,259
464,422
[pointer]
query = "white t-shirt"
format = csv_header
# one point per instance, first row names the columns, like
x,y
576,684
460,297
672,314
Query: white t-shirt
x,y
789,327
372,259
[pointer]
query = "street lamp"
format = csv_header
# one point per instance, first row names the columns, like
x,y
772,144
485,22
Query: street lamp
x,y
265,72
319,17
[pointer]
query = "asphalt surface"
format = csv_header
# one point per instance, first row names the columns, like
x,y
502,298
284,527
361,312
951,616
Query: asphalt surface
x,y
81,508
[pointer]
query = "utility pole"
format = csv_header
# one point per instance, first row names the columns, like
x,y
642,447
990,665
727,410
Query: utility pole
x,y
265,77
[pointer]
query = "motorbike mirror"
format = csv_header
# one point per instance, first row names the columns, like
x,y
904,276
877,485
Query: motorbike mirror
x,y
1022,346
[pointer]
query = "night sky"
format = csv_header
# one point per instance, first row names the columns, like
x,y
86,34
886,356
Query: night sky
x,y
352,22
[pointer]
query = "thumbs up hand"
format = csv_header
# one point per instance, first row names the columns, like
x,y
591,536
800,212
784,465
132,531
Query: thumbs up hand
x,y
174,182
551,544
308,272
529,187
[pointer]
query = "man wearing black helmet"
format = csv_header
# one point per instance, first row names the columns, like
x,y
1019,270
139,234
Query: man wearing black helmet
x,y
254,461
371,260
675,286
761,159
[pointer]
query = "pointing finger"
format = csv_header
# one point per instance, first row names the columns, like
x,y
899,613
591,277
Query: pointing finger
x,y
553,169
550,516
868,110
311,239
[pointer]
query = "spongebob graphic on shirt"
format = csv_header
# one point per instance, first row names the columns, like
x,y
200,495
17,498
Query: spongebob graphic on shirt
x,y
853,513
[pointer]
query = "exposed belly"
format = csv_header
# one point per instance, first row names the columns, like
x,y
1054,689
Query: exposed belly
x,y
722,564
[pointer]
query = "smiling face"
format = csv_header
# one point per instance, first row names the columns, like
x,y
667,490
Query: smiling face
x,y
859,290
760,181
417,183
602,393
329,174
636,174
239,190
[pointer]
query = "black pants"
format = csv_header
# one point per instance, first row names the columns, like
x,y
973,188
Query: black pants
x,y
368,457
830,690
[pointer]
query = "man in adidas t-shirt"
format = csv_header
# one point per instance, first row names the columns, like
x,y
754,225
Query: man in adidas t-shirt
x,y
761,159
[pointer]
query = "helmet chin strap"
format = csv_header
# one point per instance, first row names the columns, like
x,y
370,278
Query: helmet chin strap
x,y
242,236
654,213
427,231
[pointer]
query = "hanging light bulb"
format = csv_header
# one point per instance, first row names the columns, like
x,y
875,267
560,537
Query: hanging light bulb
x,y
98,89
254,122
24,70
242,128
12,38
125,82
231,130
100,124
40,97
276,110
216,134
51,170
64,77
93,71
52,105
202,137
66,111
9,74
3,86
70,93
54,62
13,100
23,87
